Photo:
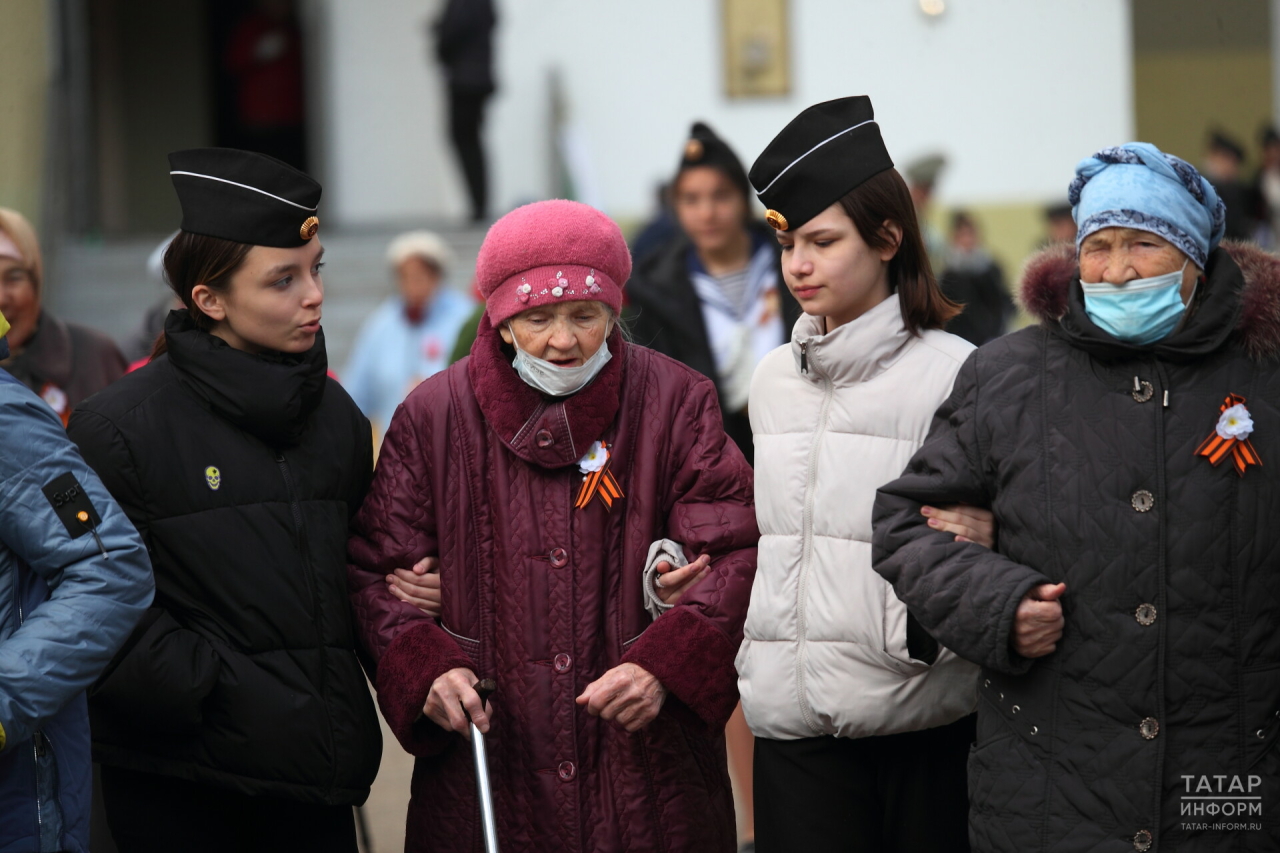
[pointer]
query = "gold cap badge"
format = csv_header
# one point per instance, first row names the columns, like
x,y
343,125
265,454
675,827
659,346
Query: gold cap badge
x,y
309,228
774,219
693,149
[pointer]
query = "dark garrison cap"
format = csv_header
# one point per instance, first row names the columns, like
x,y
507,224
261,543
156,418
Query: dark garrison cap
x,y
245,197
705,148
824,152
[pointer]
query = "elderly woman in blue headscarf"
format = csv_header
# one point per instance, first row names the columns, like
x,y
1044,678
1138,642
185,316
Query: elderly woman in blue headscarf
x,y
1129,447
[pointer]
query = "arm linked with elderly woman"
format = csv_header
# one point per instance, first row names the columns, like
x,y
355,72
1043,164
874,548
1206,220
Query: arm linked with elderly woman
x,y
539,471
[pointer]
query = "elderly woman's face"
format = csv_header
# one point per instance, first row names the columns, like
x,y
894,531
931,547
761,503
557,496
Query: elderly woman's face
x,y
566,334
1121,255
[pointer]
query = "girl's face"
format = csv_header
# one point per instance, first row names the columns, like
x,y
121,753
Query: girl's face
x,y
566,334
710,208
273,301
831,271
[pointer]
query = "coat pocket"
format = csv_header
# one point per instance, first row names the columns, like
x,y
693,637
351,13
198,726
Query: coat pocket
x,y
469,646
1261,711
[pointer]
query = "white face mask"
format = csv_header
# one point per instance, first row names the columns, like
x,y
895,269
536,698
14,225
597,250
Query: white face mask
x,y
559,381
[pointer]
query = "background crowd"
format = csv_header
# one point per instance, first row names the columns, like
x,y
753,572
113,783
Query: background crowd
x,y
707,289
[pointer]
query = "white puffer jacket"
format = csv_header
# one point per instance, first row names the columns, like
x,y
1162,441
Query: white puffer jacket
x,y
835,417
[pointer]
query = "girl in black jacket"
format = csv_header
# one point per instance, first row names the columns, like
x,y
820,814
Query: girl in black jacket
x,y
237,716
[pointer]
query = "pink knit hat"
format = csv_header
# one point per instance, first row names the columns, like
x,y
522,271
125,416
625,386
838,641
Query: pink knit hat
x,y
550,252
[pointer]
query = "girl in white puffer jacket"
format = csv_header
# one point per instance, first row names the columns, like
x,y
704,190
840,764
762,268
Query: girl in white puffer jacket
x,y
863,723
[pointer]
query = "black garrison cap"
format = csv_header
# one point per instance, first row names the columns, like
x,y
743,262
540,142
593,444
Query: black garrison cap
x,y
705,148
244,197
824,152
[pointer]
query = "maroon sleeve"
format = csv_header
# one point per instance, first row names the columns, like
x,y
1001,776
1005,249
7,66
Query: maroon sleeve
x,y
395,528
691,648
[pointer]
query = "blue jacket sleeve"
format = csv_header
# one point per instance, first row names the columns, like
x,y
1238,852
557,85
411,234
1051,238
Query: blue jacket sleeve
x,y
63,643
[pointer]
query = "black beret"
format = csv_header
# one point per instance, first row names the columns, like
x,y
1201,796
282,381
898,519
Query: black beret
x,y
705,148
824,152
244,197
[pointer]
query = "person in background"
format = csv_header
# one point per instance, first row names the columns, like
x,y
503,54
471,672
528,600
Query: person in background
x,y
614,668
143,338
862,721
1266,189
62,362
972,278
411,335
464,46
922,176
712,297
263,57
74,579
1223,166
1060,227
661,228
1129,446
237,717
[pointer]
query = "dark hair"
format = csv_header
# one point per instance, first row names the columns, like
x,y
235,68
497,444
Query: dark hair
x,y
962,219
885,198
193,259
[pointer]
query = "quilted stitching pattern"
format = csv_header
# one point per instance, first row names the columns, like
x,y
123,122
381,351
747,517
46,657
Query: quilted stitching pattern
x,y
1054,439
450,482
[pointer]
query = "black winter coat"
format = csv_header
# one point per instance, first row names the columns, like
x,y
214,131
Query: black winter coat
x,y
242,473
1168,671
664,314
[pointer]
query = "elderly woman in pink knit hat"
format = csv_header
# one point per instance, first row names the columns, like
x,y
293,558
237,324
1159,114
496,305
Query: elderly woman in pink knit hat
x,y
562,476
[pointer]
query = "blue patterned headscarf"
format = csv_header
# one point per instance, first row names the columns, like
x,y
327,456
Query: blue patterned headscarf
x,y
1139,186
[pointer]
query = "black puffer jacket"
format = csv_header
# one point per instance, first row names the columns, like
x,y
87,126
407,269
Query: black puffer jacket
x,y
664,314
241,472
1169,665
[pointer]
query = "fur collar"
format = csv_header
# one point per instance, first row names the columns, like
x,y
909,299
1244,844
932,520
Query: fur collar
x,y
1046,286
544,431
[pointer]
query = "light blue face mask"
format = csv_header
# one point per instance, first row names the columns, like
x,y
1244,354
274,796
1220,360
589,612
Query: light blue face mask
x,y
1141,312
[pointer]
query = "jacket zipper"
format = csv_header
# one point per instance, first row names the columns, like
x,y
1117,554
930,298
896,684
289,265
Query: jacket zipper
x,y
804,356
802,587
295,509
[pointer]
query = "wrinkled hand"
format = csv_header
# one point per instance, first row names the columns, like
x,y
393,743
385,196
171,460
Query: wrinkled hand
x,y
450,694
1038,623
968,523
627,695
419,586
672,583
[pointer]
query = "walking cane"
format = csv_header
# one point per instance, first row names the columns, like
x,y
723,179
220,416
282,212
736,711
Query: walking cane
x,y
485,687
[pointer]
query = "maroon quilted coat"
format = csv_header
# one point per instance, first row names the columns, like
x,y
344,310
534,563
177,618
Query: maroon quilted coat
x,y
481,470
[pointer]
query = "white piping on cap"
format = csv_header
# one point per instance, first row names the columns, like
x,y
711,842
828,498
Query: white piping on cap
x,y
246,187
810,151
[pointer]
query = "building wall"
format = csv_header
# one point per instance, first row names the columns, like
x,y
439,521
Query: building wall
x,y
1201,66
24,78
991,84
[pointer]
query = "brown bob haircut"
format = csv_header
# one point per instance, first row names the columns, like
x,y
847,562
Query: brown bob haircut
x,y
193,259
885,198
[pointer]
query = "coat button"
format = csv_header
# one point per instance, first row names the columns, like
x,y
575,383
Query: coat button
x,y
559,558
567,771
1149,728
545,438
1145,614
563,662
1143,500
1142,840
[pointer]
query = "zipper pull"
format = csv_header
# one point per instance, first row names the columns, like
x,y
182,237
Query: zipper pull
x,y
804,356
1166,398
85,519
39,743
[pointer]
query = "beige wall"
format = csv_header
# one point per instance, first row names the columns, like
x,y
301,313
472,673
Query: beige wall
x,y
1179,95
24,67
